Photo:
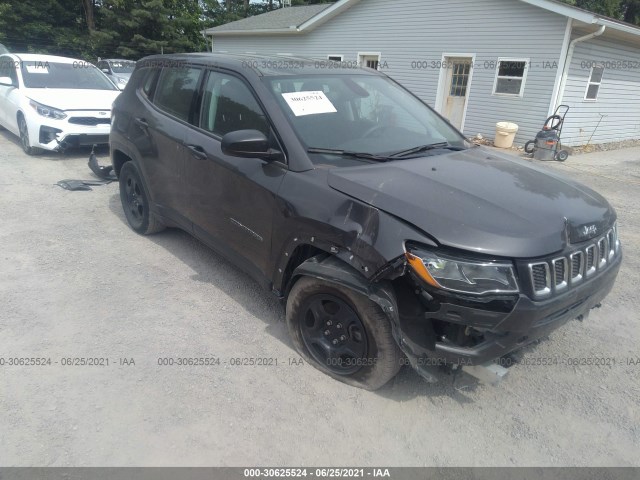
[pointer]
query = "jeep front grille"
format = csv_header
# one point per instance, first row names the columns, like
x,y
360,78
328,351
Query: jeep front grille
x,y
560,273
540,277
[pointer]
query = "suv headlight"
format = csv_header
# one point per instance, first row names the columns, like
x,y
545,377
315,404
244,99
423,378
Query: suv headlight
x,y
462,275
48,112
122,81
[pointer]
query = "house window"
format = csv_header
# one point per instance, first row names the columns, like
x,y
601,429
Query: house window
x,y
511,74
335,58
369,60
595,80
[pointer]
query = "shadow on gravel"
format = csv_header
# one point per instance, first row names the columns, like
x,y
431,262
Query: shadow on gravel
x,y
212,268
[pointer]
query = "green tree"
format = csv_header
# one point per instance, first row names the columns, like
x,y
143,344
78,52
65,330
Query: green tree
x,y
44,26
627,10
135,28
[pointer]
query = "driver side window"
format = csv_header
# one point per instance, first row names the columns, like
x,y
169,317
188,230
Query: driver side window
x,y
228,105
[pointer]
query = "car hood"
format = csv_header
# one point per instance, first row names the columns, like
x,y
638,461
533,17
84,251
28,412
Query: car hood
x,y
481,201
71,99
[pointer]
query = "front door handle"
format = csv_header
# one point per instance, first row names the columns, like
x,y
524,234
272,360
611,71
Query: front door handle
x,y
142,122
198,152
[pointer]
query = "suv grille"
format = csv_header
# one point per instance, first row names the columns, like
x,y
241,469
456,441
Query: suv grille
x,y
564,272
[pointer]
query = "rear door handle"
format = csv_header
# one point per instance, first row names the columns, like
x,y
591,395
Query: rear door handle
x,y
198,152
142,122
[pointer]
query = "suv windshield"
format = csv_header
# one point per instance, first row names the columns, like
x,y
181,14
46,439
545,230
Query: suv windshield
x,y
360,113
122,67
44,74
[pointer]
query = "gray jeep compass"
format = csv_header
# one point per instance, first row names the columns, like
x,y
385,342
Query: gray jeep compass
x,y
389,236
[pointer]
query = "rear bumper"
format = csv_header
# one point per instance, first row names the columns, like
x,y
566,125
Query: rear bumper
x,y
505,331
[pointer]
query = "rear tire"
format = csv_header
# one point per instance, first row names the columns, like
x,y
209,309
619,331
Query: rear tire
x,y
25,142
136,203
342,334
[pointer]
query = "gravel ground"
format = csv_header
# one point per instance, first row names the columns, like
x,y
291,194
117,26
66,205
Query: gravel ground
x,y
75,281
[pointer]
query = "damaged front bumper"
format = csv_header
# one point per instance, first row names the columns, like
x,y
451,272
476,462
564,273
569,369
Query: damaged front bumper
x,y
80,128
452,331
457,331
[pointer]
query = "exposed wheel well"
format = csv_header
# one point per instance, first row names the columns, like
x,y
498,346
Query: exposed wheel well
x,y
300,254
119,159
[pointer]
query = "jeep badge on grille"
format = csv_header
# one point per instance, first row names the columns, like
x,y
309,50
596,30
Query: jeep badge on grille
x,y
589,231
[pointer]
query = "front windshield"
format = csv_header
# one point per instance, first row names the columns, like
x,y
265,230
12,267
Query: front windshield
x,y
122,66
78,75
359,113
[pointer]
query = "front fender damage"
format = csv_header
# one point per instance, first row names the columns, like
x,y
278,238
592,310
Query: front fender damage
x,y
332,269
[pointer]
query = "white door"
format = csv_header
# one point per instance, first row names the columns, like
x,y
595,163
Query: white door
x,y
456,91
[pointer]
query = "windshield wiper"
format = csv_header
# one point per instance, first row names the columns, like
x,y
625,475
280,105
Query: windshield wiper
x,y
347,153
425,148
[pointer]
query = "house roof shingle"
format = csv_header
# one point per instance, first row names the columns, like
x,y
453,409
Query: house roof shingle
x,y
280,19
304,18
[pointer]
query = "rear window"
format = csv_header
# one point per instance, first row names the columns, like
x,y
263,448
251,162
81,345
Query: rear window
x,y
77,76
123,67
176,89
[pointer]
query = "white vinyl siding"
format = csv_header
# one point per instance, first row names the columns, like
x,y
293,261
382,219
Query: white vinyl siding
x,y
615,116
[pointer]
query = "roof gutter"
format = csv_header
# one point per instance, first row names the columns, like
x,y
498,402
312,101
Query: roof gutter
x,y
266,31
568,60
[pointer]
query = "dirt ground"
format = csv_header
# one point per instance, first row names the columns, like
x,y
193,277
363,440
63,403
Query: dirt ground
x,y
75,282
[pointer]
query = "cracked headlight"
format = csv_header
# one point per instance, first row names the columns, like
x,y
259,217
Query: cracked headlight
x,y
462,275
48,112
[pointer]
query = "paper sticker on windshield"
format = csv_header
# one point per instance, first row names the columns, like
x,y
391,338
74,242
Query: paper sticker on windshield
x,y
309,103
38,68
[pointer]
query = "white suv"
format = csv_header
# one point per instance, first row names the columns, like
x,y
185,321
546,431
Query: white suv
x,y
53,103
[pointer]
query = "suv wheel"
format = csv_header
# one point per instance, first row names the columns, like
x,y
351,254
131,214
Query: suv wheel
x,y
135,202
342,333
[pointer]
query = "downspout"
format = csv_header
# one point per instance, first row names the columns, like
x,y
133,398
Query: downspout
x,y
569,59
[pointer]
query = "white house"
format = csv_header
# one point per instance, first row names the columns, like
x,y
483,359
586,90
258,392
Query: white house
x,y
477,62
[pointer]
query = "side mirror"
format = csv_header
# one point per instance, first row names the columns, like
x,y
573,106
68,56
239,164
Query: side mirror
x,y
6,82
249,144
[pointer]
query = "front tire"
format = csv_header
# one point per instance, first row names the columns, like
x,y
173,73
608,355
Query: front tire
x,y
135,202
25,142
342,334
